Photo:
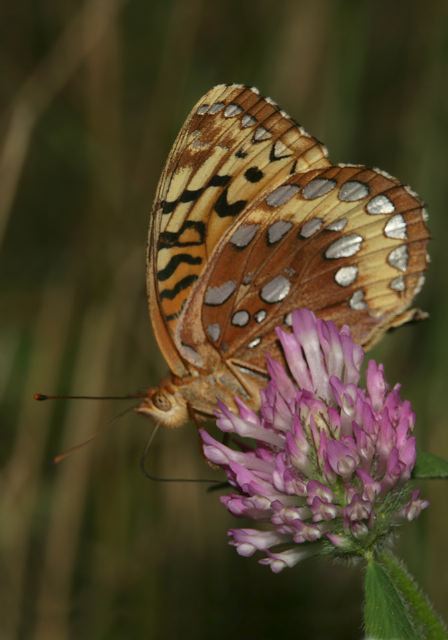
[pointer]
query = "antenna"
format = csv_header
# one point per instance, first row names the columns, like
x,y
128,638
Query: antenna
x,y
43,396
65,454
216,484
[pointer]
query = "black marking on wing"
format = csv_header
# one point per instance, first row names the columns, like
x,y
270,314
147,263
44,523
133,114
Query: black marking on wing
x,y
168,239
168,207
274,158
253,174
174,262
224,208
241,153
219,181
191,195
178,287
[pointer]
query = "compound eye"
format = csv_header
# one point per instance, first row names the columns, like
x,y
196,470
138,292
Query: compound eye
x,y
161,402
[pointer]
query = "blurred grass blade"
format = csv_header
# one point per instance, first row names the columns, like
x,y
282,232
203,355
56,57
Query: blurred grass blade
x,y
430,466
22,478
76,42
66,516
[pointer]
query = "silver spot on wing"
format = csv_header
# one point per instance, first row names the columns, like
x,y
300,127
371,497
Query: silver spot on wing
x,y
254,343
217,106
398,258
248,121
344,247
275,290
396,227
282,195
337,225
278,230
311,227
232,110
244,235
380,204
215,296
214,331
398,284
261,134
240,318
280,150
345,276
357,301
317,188
353,190
260,316
203,109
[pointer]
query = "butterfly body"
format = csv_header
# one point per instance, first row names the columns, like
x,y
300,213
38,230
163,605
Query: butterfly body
x,y
195,397
250,221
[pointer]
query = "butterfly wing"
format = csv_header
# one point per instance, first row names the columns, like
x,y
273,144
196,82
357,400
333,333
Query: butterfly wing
x,y
345,241
234,146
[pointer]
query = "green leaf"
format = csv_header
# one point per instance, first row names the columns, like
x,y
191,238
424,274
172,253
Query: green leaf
x,y
417,602
394,605
430,466
385,615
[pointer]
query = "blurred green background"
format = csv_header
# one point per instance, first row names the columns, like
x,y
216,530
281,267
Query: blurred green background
x,y
92,95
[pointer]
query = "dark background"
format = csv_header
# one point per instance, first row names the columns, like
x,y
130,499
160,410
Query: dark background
x,y
92,95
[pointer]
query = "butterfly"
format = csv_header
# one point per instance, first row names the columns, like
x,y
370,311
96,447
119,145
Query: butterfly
x,y
251,220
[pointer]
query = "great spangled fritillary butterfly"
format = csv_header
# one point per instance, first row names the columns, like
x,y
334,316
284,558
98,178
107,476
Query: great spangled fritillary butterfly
x,y
250,221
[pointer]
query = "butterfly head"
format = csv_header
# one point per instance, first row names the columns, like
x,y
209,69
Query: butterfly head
x,y
165,405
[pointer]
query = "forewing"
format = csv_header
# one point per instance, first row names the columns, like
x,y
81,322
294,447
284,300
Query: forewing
x,y
345,241
234,146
